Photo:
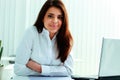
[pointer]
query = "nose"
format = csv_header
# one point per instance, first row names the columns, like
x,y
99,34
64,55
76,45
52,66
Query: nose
x,y
55,20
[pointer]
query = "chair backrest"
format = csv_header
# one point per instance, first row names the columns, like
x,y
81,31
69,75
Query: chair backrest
x,y
110,58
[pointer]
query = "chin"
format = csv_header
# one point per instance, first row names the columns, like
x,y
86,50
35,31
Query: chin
x,y
54,32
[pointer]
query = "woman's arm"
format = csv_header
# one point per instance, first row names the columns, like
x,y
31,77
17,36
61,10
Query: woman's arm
x,y
34,66
23,54
50,70
62,70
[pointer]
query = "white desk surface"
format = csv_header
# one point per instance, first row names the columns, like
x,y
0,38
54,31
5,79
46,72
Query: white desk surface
x,y
39,78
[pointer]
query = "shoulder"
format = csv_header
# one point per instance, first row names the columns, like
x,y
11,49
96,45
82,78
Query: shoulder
x,y
30,31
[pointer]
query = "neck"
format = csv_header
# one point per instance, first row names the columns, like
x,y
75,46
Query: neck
x,y
51,35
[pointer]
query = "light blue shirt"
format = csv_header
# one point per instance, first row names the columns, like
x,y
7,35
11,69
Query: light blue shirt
x,y
40,48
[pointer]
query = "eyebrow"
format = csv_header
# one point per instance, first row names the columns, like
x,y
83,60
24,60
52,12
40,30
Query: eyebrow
x,y
53,14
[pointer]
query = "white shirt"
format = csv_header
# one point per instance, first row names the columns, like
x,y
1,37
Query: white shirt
x,y
40,48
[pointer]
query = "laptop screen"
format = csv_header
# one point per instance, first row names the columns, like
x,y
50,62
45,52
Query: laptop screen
x,y
110,58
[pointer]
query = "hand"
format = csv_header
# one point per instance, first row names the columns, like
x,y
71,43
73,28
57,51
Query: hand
x,y
34,66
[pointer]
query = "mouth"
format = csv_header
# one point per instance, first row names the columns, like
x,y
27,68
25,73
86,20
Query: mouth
x,y
53,26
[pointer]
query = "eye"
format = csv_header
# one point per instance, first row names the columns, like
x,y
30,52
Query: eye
x,y
60,17
50,16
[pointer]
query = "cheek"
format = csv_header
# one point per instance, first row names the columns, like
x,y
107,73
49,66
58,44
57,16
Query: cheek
x,y
46,23
60,23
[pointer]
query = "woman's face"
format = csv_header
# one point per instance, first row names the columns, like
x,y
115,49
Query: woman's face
x,y
53,20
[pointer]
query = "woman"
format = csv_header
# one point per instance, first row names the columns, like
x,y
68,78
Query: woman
x,y
45,47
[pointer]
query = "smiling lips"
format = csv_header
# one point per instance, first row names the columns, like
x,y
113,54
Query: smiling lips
x,y
53,26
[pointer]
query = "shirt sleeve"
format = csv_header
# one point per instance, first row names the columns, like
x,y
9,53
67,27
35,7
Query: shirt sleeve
x,y
64,70
23,53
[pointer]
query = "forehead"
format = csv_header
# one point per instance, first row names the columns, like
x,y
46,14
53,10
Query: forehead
x,y
54,10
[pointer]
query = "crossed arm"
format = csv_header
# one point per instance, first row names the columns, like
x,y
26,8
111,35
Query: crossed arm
x,y
34,66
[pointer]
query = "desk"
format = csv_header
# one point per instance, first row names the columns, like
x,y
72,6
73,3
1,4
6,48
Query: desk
x,y
39,78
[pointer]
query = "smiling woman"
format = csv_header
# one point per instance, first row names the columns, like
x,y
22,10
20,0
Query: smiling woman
x,y
46,45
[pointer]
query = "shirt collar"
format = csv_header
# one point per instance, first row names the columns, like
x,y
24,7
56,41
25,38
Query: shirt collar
x,y
46,33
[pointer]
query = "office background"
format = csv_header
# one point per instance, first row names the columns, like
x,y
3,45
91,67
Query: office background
x,y
89,20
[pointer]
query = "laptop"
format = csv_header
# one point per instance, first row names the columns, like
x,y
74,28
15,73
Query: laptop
x,y
110,58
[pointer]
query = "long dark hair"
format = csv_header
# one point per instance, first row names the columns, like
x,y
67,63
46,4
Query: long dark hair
x,y
64,38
